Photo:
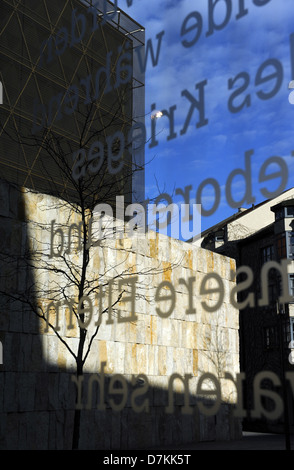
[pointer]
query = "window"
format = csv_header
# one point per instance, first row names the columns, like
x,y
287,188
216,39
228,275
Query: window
x,y
291,338
281,246
272,293
290,236
291,285
287,332
267,254
270,337
219,236
279,214
290,211
280,286
285,289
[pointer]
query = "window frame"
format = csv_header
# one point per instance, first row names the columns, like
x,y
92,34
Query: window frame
x,y
270,337
264,255
286,214
282,251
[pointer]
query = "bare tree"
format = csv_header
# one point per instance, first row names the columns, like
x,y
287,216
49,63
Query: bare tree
x,y
80,187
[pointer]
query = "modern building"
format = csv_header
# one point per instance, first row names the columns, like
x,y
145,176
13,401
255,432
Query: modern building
x,y
72,86
72,92
145,383
256,237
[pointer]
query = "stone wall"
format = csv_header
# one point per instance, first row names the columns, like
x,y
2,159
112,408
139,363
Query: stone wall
x,y
139,346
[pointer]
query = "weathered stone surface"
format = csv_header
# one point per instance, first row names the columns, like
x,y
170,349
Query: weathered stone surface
x,y
138,338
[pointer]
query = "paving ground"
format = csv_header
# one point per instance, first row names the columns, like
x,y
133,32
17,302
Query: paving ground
x,y
249,441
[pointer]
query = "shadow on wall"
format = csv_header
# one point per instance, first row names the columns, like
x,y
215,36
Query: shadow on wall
x,y
37,399
128,429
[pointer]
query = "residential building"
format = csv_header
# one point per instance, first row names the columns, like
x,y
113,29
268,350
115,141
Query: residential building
x,y
255,237
72,86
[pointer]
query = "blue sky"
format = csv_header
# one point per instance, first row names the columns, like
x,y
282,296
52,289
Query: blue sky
x,y
216,149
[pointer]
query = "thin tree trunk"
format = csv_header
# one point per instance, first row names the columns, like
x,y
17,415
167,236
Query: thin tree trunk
x,y
83,333
77,412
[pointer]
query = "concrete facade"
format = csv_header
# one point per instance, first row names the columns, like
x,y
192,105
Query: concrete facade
x,y
141,345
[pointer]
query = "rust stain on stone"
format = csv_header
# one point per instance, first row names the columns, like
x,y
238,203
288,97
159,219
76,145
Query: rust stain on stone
x,y
133,331
167,271
195,362
153,247
190,259
232,264
134,359
61,360
102,351
70,321
210,261
153,329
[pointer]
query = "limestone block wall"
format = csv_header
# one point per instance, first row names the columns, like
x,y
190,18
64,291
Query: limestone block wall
x,y
130,396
